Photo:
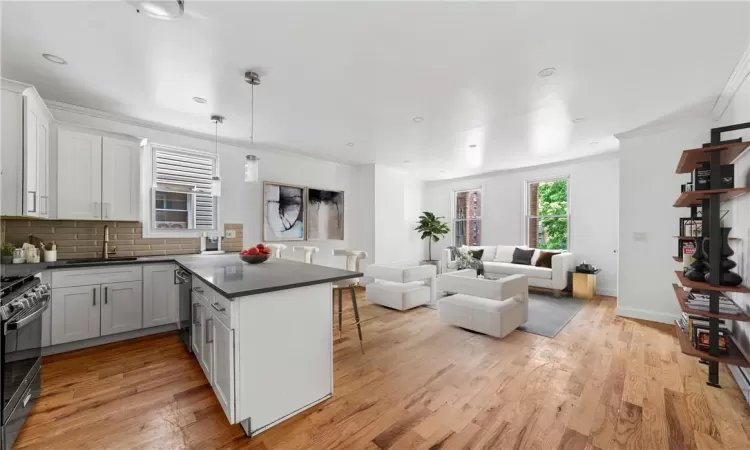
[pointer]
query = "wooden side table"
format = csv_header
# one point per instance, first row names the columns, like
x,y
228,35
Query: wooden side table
x,y
584,285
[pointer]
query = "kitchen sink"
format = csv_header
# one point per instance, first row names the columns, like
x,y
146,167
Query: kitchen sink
x,y
100,260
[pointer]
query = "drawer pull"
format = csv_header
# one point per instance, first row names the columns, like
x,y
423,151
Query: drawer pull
x,y
213,305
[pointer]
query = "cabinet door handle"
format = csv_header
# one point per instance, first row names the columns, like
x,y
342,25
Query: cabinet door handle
x,y
94,296
198,290
97,207
209,330
196,321
105,295
105,210
45,210
213,305
33,193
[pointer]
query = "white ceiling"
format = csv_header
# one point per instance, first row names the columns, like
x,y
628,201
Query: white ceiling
x,y
358,72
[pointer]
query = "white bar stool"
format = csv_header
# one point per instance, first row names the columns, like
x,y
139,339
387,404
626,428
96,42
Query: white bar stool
x,y
309,252
352,263
276,249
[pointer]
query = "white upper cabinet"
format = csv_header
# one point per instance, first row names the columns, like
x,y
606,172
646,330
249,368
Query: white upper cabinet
x,y
25,151
121,190
79,175
98,177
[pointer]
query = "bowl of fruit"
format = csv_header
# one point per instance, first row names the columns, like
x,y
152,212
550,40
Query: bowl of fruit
x,y
255,255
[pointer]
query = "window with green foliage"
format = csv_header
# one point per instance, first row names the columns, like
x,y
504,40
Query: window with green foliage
x,y
547,217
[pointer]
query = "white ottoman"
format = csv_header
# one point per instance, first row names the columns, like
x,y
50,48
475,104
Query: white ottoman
x,y
492,307
399,286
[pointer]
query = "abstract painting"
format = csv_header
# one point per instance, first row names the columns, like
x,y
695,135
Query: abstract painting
x,y
283,212
325,214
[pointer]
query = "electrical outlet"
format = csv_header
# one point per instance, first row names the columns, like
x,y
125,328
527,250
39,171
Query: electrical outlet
x,y
230,234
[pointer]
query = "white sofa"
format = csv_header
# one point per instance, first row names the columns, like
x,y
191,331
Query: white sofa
x,y
497,261
493,307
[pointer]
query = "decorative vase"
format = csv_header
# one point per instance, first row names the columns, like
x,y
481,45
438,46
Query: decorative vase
x,y
698,267
726,278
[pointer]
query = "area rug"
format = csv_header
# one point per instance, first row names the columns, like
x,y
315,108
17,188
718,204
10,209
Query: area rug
x,y
547,314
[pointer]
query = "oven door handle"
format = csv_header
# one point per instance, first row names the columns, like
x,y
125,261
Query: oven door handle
x,y
15,325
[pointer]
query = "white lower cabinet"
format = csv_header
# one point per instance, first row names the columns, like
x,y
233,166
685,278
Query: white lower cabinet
x,y
160,295
121,307
223,369
75,313
201,340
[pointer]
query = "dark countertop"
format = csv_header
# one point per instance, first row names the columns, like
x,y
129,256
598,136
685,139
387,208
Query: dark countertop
x,y
226,273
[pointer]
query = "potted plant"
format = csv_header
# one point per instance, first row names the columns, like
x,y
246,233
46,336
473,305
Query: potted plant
x,y
6,252
433,228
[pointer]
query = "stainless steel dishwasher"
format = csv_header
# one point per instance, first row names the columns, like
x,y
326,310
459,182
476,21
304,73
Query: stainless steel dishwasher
x,y
185,281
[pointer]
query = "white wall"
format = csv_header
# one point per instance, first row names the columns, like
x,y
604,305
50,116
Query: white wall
x,y
241,202
593,205
649,187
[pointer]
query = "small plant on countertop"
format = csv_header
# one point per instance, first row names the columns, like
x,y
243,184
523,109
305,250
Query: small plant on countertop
x,y
7,249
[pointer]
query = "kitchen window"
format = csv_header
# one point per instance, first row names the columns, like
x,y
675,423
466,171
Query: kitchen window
x,y
467,217
547,214
181,200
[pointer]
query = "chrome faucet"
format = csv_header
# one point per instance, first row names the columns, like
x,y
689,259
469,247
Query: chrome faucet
x,y
105,245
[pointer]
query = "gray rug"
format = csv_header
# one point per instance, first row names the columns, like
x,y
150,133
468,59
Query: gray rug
x,y
547,314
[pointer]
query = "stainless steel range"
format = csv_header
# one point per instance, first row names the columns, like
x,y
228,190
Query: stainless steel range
x,y
23,301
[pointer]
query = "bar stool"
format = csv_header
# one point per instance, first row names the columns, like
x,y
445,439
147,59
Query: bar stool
x,y
352,263
276,249
309,252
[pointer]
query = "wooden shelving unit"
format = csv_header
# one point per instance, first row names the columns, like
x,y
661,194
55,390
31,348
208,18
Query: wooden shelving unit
x,y
696,198
711,156
692,158
682,299
707,287
735,357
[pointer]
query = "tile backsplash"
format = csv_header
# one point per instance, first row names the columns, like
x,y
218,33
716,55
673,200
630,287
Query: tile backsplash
x,y
83,238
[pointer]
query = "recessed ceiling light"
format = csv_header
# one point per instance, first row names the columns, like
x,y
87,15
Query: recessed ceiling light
x,y
418,119
160,9
544,73
350,144
593,142
473,146
54,58
200,100
406,161
578,120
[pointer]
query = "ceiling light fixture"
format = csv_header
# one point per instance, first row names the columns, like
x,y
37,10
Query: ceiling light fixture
x,y
200,100
54,58
160,9
350,144
406,161
418,119
548,72
251,161
472,145
578,120
215,180
593,142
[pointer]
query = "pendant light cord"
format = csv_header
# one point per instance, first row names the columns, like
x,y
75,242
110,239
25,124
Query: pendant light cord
x,y
252,113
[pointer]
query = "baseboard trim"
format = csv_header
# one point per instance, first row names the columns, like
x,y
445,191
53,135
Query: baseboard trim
x,y
642,314
78,345
607,292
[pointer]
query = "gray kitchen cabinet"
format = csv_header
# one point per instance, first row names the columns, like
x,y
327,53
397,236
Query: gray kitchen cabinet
x,y
202,335
121,307
223,366
75,313
160,295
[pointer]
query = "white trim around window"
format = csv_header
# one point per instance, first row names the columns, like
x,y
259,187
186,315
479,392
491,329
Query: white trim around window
x,y
188,185
454,220
527,204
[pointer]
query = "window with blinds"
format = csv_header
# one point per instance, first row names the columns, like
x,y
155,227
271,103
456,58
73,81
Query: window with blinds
x,y
182,190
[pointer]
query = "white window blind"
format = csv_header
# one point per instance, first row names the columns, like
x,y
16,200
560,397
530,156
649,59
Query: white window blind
x,y
182,196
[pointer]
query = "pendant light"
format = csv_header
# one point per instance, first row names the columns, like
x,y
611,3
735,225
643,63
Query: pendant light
x,y
252,161
215,180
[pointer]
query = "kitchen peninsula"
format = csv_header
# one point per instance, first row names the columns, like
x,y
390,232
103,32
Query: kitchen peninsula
x,y
261,333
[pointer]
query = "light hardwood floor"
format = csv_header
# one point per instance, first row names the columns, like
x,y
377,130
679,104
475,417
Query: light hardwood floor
x,y
603,382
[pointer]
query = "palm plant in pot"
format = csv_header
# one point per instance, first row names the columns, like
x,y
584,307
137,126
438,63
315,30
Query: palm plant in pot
x,y
433,228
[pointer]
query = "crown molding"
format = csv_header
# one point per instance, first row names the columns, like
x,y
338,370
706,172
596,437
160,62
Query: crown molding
x,y
55,105
734,83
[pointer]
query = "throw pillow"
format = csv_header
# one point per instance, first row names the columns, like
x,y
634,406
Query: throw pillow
x,y
477,254
522,256
545,259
